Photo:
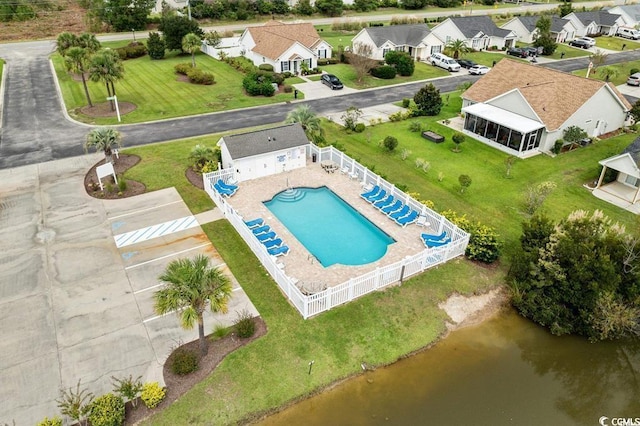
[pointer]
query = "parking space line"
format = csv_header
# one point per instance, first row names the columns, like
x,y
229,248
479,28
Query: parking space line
x,y
155,231
145,210
167,256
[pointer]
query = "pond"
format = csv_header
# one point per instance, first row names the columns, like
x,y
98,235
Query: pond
x,y
503,371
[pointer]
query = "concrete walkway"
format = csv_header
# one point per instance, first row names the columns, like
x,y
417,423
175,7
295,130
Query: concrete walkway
x,y
72,304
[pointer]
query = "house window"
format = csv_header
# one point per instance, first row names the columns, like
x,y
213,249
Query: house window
x,y
263,60
309,62
284,65
633,181
448,39
385,51
322,53
436,49
400,49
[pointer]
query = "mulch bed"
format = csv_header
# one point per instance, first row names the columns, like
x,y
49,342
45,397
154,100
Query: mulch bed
x,y
103,109
179,385
121,165
194,178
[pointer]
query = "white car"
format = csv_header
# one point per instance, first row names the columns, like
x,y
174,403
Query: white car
x,y
443,61
479,70
591,41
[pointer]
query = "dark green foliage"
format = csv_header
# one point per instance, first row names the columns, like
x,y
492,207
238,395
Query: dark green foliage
x,y
156,46
458,138
304,7
287,88
132,51
266,67
415,126
365,5
488,2
573,134
174,28
385,72
280,7
184,361
16,11
635,111
413,4
197,76
107,410
484,245
390,143
580,276
330,7
256,85
557,146
464,181
544,38
182,68
125,15
245,325
565,8
428,100
406,102
447,3
633,71
401,61
359,128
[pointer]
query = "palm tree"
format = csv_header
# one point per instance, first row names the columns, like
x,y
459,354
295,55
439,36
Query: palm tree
x,y
190,284
65,41
457,48
191,43
88,41
608,72
76,61
106,66
104,139
309,122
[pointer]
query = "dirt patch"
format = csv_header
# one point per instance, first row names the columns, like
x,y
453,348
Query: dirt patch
x,y
179,385
470,310
103,109
183,78
194,178
121,165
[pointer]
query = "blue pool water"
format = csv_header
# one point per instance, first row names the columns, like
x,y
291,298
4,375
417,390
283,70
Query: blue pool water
x,y
329,228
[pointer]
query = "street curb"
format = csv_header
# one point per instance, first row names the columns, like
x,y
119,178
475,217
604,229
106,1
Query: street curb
x,y
3,84
61,99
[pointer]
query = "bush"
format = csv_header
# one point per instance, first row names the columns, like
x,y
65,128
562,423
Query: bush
x,y
287,74
131,51
55,421
184,362
386,72
415,127
359,128
266,67
152,394
156,46
107,410
323,61
483,242
406,102
399,116
256,87
390,143
402,61
557,146
245,326
633,71
288,88
197,76
182,68
128,388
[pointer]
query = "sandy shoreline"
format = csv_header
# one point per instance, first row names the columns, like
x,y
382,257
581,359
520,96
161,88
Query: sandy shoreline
x,y
465,311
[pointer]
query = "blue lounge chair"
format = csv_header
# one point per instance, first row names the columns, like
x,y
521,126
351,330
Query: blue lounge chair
x,y
266,236
272,243
278,251
370,193
261,229
429,237
399,213
379,196
432,244
254,223
392,208
408,219
384,202
227,186
223,191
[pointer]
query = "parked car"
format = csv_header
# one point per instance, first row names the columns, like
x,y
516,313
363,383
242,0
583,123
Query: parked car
x,y
443,61
516,51
583,44
631,33
591,41
531,51
634,79
479,70
466,63
332,81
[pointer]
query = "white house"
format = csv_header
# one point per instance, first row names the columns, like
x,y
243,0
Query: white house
x,y
285,46
595,22
630,14
479,32
264,152
522,109
524,27
415,39
627,183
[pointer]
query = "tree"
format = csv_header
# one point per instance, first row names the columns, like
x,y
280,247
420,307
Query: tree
x,y
402,61
365,5
413,4
156,46
200,156
543,37
77,61
464,181
103,139
535,195
350,118
330,7
458,139
174,28
125,15
360,60
565,8
608,72
573,134
212,39
635,111
509,162
457,48
75,404
428,100
189,285
304,7
577,279
191,44
64,42
128,388
106,66
280,7
598,58
309,122
89,42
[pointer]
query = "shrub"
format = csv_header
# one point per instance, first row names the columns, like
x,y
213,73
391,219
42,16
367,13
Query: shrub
x,y
390,143
399,116
131,51
633,71
288,88
465,182
128,388
415,126
152,394
256,85
386,72
107,410
220,331
182,68
406,102
122,184
156,46
197,76
483,242
266,67
277,78
184,362
359,128
287,74
245,326
402,61
55,421
557,146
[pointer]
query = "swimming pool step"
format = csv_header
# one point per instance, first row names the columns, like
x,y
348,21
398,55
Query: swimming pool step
x,y
291,195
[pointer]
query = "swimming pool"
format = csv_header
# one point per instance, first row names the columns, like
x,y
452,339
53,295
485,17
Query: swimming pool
x,y
328,227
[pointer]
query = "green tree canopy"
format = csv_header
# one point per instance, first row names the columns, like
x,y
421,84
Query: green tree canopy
x,y
174,28
106,66
191,44
77,62
543,37
457,48
402,61
428,100
104,139
309,122
125,15
155,46
330,7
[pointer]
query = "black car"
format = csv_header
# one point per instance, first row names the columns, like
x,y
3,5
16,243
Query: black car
x,y
466,63
332,81
584,44
531,51
516,51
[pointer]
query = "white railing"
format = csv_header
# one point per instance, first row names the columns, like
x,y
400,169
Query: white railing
x,y
313,304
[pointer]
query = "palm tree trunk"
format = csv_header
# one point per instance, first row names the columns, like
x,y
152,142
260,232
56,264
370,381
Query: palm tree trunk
x,y
113,93
203,341
86,89
109,95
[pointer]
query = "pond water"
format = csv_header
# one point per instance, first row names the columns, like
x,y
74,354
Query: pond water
x,y
503,371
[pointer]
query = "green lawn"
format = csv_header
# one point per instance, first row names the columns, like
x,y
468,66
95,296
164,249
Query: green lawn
x,y
615,43
347,75
1,66
335,38
624,70
154,88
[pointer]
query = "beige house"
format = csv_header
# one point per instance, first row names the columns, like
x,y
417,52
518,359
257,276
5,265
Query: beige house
x,y
626,186
523,109
284,46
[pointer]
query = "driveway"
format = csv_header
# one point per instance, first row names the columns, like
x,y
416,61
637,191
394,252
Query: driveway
x,y
77,278
318,90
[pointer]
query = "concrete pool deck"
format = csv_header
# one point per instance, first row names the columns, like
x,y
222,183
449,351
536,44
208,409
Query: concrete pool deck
x,y
299,263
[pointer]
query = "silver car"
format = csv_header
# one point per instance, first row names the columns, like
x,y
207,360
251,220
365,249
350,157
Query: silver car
x,y
634,79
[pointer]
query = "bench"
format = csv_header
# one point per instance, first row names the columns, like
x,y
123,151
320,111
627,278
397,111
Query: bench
x,y
432,136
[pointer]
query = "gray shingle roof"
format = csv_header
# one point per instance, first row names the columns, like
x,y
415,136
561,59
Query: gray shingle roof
x,y
530,22
472,25
248,144
600,17
632,10
634,150
409,35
